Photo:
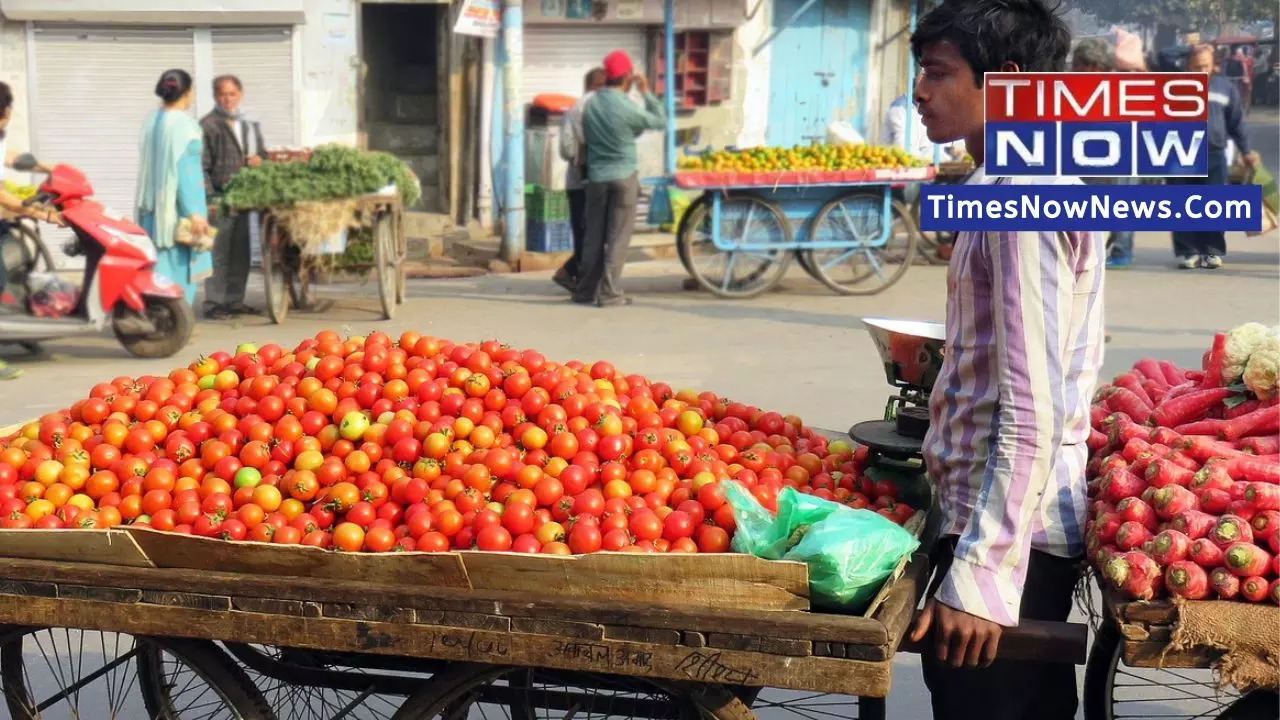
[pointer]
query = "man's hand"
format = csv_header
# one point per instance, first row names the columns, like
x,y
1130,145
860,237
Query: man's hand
x,y
253,161
1251,160
963,640
640,83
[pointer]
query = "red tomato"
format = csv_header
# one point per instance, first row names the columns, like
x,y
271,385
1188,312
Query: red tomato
x,y
494,538
584,538
677,525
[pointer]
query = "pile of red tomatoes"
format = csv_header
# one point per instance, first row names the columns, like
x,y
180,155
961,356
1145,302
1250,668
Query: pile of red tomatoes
x,y
376,444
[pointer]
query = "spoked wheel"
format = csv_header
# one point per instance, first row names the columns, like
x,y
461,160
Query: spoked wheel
x,y
275,273
402,250
305,685
170,320
794,705
468,692
736,273
64,673
867,261
386,263
1113,690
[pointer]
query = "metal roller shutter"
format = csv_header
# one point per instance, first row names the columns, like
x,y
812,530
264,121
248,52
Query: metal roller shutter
x,y
263,60
93,88
556,57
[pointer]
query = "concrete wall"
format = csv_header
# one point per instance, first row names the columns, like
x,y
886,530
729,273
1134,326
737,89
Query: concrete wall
x,y
330,63
729,123
13,71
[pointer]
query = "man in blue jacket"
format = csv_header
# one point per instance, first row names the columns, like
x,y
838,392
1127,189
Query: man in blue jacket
x,y
1205,248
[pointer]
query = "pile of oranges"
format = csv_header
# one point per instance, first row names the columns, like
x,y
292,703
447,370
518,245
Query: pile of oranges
x,y
815,157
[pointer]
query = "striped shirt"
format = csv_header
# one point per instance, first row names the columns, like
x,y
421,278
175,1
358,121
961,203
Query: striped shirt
x,y
1010,410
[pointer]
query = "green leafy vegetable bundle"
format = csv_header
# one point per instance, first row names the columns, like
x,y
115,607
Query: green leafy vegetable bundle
x,y
333,172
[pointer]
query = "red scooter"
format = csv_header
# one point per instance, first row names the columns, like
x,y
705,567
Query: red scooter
x,y
146,311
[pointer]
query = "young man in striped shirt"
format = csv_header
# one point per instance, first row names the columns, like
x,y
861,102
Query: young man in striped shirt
x,y
1010,410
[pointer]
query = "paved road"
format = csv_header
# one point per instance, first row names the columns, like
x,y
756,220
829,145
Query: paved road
x,y
797,350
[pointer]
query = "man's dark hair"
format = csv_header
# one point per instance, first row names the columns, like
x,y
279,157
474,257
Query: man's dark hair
x,y
594,77
217,82
616,82
6,97
992,33
1094,53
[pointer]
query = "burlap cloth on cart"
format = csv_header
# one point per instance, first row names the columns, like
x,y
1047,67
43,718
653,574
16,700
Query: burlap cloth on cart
x,y
1249,634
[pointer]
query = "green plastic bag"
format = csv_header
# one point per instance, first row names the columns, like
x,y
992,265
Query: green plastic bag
x,y
850,553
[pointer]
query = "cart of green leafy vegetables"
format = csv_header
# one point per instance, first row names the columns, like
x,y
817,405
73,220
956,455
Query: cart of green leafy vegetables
x,y
332,208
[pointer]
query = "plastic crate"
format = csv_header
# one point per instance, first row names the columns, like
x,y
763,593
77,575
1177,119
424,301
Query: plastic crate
x,y
554,236
546,205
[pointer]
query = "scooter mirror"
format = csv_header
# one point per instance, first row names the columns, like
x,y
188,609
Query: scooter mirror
x,y
25,162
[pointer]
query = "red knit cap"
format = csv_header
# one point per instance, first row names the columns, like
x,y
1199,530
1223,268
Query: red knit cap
x,y
617,65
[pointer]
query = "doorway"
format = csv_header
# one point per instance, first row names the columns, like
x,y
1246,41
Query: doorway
x,y
401,112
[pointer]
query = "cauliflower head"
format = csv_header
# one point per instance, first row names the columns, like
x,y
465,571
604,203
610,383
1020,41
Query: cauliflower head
x,y
1242,341
1263,365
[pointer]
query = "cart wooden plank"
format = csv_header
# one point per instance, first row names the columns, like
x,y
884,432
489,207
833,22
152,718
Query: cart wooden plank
x,y
110,547
704,665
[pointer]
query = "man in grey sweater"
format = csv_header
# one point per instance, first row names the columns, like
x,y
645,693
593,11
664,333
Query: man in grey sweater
x,y
573,150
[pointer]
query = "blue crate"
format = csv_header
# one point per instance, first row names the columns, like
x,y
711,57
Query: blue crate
x,y
548,236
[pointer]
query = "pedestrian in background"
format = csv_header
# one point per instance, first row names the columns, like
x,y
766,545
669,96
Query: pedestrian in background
x,y
171,186
611,122
231,142
1128,57
1205,248
573,151
1093,55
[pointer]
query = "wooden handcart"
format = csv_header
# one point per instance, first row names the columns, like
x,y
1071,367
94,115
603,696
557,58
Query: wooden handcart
x,y
289,279
1132,672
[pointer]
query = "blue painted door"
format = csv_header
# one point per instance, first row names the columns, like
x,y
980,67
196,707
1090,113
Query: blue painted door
x,y
818,68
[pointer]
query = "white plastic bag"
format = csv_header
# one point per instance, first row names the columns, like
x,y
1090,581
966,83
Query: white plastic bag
x,y
841,133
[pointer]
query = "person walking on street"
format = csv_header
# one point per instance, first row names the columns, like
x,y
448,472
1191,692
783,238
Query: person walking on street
x,y
574,152
231,142
1010,416
611,122
170,186
1205,248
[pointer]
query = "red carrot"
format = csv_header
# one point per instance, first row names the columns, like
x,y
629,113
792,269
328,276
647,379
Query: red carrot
x,y
1244,559
1213,367
1187,580
1150,369
1136,574
1172,373
1264,421
1105,555
1273,591
1183,460
1181,388
1261,445
1213,476
1255,468
1172,500
1204,553
1156,391
1242,509
1121,484
1124,429
1163,472
1097,441
1134,447
1265,524
1205,448
1211,428
1192,406
1225,585
1194,376
1165,436
1263,496
1243,408
1229,530
1170,546
1133,383
1122,399
1106,527
1132,535
1194,524
1254,589
1114,461
1134,509
1213,500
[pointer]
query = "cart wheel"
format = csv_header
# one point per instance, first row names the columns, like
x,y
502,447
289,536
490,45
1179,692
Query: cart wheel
x,y
307,685
778,704
402,250
736,273
60,672
275,272
863,265
386,264
527,693
1113,690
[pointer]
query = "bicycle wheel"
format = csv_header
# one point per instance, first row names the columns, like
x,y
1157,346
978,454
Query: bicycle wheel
x,y
62,672
275,270
471,692
862,265
735,273
1113,690
306,685
386,264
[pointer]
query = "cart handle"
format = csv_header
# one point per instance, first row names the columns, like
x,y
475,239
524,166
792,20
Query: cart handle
x,y
1039,640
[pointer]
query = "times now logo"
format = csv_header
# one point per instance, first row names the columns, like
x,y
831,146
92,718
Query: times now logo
x,y
1097,124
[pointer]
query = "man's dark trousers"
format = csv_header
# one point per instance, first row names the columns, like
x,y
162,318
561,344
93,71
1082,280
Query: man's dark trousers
x,y
611,218
1204,242
578,222
1010,689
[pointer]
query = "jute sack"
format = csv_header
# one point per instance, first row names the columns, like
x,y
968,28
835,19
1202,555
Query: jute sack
x,y
1249,635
